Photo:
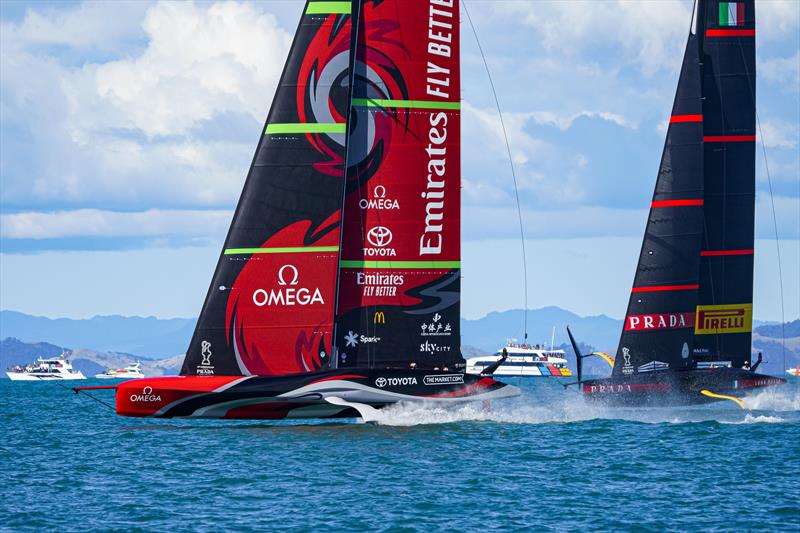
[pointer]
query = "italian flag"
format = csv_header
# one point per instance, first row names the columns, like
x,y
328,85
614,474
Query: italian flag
x,y
731,14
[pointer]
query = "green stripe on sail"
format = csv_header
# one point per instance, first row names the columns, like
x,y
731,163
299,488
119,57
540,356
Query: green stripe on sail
x,y
409,104
723,14
328,8
409,265
288,250
310,127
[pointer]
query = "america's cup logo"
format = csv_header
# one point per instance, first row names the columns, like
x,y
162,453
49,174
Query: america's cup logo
x,y
379,236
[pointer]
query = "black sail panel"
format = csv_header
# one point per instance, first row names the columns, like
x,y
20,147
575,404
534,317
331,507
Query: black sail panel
x,y
659,322
725,307
270,307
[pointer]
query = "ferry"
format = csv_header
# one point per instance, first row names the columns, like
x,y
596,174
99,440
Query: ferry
x,y
524,360
793,371
132,371
45,369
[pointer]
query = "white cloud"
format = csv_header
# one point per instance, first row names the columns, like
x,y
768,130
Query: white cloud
x,y
783,71
779,133
98,223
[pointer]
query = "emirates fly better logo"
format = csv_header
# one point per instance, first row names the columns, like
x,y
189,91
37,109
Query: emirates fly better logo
x,y
288,293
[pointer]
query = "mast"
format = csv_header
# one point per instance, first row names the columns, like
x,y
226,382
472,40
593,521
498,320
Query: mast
x,y
725,310
659,322
399,297
270,307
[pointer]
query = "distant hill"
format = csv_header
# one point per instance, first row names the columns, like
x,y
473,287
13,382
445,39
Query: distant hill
x,y
150,337
90,362
790,329
491,331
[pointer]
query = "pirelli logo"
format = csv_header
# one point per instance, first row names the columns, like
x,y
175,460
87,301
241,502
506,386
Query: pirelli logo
x,y
720,319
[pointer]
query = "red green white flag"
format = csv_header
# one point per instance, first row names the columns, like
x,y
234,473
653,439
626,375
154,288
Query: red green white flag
x,y
731,13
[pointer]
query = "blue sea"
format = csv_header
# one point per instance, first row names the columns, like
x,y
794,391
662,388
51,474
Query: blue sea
x,y
545,461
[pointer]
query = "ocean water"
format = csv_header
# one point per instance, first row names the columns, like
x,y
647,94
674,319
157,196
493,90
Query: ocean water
x,y
545,461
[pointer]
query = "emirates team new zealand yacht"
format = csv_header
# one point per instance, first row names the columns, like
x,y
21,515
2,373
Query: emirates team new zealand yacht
x,y
338,288
687,332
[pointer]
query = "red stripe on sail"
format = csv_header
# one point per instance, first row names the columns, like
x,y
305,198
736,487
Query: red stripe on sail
x,y
718,253
675,203
729,138
730,33
660,288
685,118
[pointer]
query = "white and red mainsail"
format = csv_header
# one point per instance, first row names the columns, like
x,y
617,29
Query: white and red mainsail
x,y
346,239
399,292
693,292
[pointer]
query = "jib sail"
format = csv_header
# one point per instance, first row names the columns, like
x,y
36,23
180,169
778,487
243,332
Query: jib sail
x,y
399,291
659,323
270,307
724,314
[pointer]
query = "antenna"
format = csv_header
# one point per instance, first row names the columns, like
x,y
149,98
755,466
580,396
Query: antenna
x,y
511,164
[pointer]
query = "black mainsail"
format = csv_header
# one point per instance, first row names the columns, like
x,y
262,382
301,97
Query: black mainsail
x,y
687,331
725,307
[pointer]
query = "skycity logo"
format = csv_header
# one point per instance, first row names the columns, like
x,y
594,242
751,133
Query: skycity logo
x,y
290,295
721,319
146,396
659,321
378,200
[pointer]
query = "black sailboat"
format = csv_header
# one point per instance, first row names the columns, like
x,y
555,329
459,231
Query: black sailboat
x,y
687,331
338,287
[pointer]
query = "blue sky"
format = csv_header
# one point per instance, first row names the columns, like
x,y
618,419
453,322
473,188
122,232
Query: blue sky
x,y
126,130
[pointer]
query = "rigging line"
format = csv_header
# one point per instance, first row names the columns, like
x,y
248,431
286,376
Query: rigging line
x,y
76,392
772,202
511,164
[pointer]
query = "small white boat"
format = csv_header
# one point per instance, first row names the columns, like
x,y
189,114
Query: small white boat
x,y
132,371
793,371
524,360
45,369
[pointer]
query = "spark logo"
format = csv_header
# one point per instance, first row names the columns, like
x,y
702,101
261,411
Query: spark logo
x,y
721,319
290,294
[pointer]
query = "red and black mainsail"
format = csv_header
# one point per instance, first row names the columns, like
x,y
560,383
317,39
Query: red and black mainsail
x,y
692,295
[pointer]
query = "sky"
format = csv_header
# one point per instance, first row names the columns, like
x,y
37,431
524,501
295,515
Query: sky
x,y
126,131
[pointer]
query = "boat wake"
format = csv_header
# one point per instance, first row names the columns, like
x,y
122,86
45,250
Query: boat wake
x,y
573,409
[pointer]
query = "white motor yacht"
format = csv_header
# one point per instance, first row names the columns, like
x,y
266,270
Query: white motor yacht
x,y
132,371
45,369
525,360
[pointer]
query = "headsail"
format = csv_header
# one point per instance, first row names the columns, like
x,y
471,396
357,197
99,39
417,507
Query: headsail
x,y
399,293
724,315
270,307
659,323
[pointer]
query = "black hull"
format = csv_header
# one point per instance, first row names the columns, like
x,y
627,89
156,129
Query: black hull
x,y
342,393
666,388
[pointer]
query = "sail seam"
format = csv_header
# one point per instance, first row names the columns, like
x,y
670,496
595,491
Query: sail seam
x,y
676,203
401,264
659,288
730,33
285,250
302,127
328,8
729,138
408,104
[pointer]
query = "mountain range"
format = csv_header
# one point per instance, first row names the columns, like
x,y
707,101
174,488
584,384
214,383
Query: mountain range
x,y
113,341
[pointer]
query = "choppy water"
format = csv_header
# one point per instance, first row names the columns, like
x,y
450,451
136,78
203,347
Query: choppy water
x,y
545,461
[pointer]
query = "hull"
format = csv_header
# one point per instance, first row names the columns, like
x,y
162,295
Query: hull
x,y
341,393
24,376
676,388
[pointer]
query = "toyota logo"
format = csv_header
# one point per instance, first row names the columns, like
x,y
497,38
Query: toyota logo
x,y
379,236
380,382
